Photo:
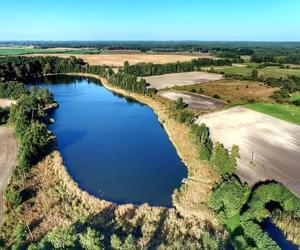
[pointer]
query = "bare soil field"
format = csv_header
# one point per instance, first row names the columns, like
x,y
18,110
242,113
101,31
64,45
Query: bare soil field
x,y
194,101
181,79
117,60
6,102
8,156
272,144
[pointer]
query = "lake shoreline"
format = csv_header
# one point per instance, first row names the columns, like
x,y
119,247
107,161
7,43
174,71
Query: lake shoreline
x,y
190,198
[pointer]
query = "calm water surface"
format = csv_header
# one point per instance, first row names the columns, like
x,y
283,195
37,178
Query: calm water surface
x,y
113,147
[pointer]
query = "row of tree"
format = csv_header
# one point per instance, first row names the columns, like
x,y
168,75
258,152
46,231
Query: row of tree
x,y
24,68
271,58
33,135
149,69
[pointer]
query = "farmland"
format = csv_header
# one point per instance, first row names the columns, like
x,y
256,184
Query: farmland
x,y
24,50
232,91
181,79
269,147
117,60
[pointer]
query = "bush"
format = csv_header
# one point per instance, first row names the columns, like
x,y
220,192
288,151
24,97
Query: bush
x,y
202,135
4,114
216,96
179,104
224,161
62,238
33,144
129,243
184,116
13,196
296,102
91,240
20,234
229,197
12,90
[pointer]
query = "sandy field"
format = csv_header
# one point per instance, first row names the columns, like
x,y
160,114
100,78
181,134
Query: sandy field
x,y
181,79
274,145
6,102
194,101
117,60
8,159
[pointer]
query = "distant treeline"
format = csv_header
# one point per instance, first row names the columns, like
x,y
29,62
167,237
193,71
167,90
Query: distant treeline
x,y
239,48
25,68
149,69
286,58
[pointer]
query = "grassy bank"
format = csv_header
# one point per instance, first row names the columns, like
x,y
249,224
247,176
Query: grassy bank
x,y
284,112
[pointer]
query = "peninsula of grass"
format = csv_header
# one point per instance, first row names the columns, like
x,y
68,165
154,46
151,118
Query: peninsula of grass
x,y
284,112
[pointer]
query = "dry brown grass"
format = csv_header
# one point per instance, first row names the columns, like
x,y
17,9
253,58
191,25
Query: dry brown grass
x,y
290,226
56,200
235,91
117,60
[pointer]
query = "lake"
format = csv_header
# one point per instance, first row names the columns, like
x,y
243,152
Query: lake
x,y
113,147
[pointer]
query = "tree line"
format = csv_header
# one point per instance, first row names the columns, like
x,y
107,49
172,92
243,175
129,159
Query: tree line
x,y
292,58
25,68
34,137
149,69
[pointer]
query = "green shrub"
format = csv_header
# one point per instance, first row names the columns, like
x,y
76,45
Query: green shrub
x,y
179,104
62,238
296,102
91,240
20,234
261,239
202,136
13,196
224,161
229,197
33,144
129,243
12,90
185,116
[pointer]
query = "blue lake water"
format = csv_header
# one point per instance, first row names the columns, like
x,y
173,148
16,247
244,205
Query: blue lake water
x,y
277,235
113,147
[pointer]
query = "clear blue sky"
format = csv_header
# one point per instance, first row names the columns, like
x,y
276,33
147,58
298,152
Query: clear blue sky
x,y
260,20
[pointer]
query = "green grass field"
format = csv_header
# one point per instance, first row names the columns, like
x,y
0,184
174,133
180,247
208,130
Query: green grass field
x,y
23,51
275,72
285,112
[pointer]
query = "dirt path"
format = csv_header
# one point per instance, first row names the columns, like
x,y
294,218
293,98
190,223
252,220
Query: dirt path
x,y
272,144
6,102
8,156
194,101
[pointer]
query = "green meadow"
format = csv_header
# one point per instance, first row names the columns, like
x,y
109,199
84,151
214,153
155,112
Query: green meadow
x,y
285,112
